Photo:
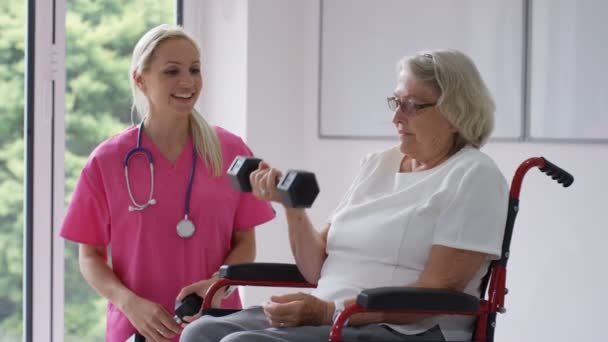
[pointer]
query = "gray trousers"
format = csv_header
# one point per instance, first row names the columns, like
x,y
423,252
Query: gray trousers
x,y
251,325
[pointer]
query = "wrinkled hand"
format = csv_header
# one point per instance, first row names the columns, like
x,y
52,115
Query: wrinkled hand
x,y
200,288
297,309
264,183
151,319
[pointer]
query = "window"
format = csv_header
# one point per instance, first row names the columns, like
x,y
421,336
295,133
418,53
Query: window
x,y
12,65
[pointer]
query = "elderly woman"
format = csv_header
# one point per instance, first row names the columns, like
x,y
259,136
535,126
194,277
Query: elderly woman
x,y
428,213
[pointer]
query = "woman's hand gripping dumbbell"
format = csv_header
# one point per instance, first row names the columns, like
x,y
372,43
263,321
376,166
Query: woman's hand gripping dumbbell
x,y
297,189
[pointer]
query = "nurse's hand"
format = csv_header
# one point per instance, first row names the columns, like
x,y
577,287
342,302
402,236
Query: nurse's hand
x,y
264,183
200,288
151,319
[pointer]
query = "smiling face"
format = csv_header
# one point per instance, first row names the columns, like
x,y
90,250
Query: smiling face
x,y
424,134
172,81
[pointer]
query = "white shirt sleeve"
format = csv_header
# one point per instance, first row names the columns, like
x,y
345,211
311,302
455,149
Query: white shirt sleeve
x,y
476,215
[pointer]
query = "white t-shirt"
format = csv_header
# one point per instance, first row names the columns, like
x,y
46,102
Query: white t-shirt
x,y
383,229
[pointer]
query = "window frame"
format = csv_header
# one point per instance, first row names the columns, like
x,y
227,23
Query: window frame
x,y
44,150
44,130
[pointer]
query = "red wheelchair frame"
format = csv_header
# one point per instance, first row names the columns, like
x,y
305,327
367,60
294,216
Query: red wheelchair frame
x,y
403,299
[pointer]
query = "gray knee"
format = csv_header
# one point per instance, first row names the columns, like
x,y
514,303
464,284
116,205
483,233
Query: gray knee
x,y
243,336
203,329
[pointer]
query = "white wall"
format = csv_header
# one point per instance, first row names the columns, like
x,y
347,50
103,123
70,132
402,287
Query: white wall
x,y
556,275
221,29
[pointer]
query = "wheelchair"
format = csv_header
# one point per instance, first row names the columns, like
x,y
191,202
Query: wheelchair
x,y
403,299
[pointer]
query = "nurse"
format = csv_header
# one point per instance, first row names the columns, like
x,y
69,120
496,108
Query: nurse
x,y
156,198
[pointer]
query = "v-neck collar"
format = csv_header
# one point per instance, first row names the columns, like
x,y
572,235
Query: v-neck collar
x,y
184,158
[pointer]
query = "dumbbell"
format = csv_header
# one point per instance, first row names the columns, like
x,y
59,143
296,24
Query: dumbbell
x,y
298,189
189,306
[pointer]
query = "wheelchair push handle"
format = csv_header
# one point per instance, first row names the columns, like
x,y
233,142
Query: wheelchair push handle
x,y
558,174
189,306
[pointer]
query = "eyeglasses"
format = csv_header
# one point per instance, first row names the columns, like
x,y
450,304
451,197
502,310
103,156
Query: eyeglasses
x,y
406,107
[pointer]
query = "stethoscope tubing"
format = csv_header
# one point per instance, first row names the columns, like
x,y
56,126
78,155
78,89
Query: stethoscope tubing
x,y
140,149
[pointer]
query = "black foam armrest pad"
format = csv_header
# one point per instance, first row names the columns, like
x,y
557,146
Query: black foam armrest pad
x,y
410,298
260,271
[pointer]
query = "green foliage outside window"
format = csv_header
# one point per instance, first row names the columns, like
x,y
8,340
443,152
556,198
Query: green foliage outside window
x,y
12,66
101,35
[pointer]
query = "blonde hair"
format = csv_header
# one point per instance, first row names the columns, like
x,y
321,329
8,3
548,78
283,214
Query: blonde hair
x,y
464,100
205,139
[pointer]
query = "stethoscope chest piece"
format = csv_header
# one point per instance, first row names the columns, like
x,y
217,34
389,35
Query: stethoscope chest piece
x,y
185,228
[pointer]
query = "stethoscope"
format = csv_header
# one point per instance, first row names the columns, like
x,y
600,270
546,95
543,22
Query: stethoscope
x,y
185,228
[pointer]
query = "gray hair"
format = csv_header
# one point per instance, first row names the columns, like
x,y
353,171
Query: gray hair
x,y
205,139
464,98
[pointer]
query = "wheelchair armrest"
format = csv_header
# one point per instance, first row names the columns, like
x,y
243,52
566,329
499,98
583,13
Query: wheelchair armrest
x,y
260,271
256,274
410,298
407,299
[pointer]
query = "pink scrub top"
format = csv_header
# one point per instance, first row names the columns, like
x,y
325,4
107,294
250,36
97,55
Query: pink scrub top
x,y
147,255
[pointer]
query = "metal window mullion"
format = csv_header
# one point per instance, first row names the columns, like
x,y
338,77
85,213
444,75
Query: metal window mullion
x,y
179,12
44,179
28,300
59,72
